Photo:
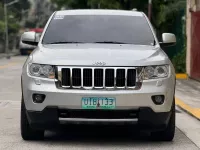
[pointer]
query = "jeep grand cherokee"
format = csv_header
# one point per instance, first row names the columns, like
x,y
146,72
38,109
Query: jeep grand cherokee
x,y
97,67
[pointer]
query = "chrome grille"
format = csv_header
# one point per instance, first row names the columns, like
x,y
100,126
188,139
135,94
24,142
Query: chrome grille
x,y
110,78
120,78
97,78
87,77
66,74
130,80
76,77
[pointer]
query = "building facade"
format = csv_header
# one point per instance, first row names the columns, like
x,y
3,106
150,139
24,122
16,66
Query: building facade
x,y
193,39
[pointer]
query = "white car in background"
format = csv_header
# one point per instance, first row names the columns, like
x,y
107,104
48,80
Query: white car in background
x,y
26,49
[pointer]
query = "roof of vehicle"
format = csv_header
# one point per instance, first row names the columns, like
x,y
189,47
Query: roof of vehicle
x,y
99,12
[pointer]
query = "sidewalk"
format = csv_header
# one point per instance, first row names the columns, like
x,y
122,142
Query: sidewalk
x,y
188,96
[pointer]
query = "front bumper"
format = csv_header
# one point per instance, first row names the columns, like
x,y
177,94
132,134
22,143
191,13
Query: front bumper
x,y
146,119
71,98
148,115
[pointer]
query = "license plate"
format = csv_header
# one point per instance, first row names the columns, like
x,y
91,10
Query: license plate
x,y
98,103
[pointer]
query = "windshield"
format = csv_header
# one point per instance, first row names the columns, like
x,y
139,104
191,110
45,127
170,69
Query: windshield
x,y
99,29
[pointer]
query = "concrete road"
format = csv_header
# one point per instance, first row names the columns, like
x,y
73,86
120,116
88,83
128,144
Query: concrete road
x,y
186,138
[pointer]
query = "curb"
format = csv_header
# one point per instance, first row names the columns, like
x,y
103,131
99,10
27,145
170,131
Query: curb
x,y
195,112
181,76
3,55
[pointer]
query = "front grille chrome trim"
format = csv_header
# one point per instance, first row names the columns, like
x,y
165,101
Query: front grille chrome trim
x,y
138,81
104,77
115,78
59,75
81,77
70,76
126,77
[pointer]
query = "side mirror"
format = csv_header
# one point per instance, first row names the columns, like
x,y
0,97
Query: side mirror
x,y
169,39
29,38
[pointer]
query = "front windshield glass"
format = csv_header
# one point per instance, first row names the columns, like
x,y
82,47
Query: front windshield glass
x,y
99,29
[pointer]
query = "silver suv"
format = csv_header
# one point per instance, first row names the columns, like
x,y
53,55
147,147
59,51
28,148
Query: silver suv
x,y
98,67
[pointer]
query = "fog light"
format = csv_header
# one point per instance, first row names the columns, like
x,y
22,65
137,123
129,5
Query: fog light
x,y
38,98
158,99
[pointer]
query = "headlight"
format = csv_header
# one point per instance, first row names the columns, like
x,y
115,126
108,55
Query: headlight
x,y
154,72
44,71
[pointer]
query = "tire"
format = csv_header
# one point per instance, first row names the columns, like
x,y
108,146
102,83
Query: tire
x,y
22,52
27,132
168,133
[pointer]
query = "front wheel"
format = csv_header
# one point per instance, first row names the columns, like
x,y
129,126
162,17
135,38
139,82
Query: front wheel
x,y
168,133
27,132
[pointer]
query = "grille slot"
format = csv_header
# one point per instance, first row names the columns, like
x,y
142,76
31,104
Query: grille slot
x,y
98,77
76,77
110,78
131,77
87,77
120,79
66,77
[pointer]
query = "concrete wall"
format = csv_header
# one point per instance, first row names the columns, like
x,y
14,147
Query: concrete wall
x,y
192,6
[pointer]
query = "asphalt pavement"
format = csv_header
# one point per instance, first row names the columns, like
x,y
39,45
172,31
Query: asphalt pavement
x,y
84,137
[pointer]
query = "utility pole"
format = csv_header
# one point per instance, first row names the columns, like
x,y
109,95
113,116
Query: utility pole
x,y
150,9
38,12
6,26
6,30
99,5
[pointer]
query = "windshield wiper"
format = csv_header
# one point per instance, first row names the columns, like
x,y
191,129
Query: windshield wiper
x,y
111,42
64,42
72,42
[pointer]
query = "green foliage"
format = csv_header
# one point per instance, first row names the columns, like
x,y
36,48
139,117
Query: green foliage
x,y
1,20
13,23
1,30
105,4
165,13
111,4
13,28
71,3
179,62
18,7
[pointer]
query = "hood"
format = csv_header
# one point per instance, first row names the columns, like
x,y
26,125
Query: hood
x,y
89,54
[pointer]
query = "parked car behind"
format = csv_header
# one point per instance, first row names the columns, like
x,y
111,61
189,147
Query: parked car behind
x,y
26,49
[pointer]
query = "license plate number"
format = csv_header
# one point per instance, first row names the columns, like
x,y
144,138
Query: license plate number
x,y
98,103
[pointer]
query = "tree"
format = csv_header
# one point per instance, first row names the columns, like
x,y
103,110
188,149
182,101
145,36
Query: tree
x,y
108,4
111,4
71,3
18,8
13,26
164,13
